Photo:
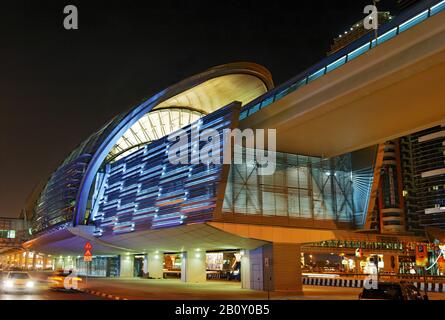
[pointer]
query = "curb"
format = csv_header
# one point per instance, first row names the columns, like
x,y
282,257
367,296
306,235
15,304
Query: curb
x,y
354,283
103,295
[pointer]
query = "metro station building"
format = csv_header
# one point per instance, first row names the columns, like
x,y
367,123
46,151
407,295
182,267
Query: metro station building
x,y
146,216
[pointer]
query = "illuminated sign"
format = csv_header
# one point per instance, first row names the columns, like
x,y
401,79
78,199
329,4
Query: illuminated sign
x,y
440,258
421,255
88,256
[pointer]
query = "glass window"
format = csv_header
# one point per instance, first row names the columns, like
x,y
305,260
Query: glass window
x,y
359,51
334,65
282,94
413,21
266,102
293,204
18,275
438,7
387,35
316,75
268,203
243,114
301,83
254,109
297,189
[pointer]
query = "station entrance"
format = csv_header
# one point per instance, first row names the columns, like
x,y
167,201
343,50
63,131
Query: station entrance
x,y
222,265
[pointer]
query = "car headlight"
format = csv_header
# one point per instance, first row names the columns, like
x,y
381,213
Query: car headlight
x,y
9,284
30,284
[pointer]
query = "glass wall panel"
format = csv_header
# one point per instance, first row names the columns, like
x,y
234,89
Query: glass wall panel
x,y
301,187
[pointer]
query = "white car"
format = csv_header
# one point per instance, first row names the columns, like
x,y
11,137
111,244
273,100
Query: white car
x,y
17,281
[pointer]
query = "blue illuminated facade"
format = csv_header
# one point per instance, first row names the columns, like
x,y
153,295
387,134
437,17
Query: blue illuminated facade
x,y
66,199
143,191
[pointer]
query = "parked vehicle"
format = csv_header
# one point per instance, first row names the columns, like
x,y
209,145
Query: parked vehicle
x,y
392,291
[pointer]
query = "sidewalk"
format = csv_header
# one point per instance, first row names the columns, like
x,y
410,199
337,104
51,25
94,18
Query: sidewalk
x,y
174,289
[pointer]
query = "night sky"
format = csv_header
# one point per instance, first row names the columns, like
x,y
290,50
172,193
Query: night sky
x,y
58,86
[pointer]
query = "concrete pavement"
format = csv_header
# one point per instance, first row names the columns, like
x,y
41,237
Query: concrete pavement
x,y
49,295
174,289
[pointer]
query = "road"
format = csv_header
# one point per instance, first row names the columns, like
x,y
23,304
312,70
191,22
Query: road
x,y
49,295
173,289
42,291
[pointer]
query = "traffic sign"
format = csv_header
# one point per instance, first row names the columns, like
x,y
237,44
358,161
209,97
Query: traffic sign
x,y
88,246
88,256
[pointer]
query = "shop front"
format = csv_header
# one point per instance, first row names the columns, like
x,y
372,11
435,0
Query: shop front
x,y
220,265
100,266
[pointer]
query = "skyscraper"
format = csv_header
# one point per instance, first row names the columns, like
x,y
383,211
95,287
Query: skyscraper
x,y
354,32
423,165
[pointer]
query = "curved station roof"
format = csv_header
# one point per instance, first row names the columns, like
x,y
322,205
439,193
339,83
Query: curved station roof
x,y
64,199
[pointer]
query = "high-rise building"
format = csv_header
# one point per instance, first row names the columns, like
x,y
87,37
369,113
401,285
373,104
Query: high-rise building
x,y
11,233
423,165
403,4
356,31
390,200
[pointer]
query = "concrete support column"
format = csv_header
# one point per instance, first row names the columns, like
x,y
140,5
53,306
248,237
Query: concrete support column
x,y
59,263
282,267
155,267
145,268
252,269
193,267
34,259
18,259
46,261
24,260
70,262
52,261
126,266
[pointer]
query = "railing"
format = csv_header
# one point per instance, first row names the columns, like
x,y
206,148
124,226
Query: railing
x,y
382,276
397,25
